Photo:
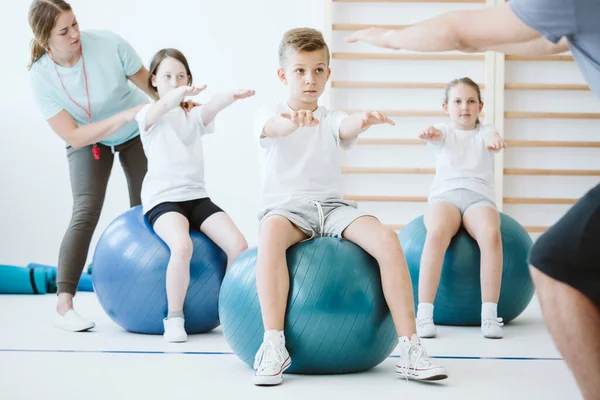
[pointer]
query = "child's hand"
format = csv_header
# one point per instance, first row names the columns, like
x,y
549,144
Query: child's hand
x,y
301,118
185,91
374,118
496,143
243,94
174,97
189,105
430,133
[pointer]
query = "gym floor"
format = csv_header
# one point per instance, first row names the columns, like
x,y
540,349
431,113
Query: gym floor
x,y
38,361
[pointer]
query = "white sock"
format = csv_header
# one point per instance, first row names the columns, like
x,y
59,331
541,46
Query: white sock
x,y
404,340
175,314
425,310
273,335
489,310
407,341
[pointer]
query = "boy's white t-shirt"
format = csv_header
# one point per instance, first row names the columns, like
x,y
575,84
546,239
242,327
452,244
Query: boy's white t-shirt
x,y
173,147
463,162
305,165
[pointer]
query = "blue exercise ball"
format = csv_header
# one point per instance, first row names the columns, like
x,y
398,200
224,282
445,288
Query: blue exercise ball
x,y
337,320
458,299
130,264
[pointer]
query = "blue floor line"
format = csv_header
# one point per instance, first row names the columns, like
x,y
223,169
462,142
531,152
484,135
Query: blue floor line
x,y
220,353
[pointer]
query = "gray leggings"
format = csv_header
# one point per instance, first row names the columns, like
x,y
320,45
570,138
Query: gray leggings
x,y
89,178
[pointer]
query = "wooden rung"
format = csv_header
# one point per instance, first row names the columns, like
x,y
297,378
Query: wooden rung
x,y
544,86
539,58
530,229
442,85
507,171
408,1
409,56
536,229
441,57
551,115
407,113
400,199
537,200
544,143
422,199
358,27
373,170
552,172
390,141
508,114
388,85
509,143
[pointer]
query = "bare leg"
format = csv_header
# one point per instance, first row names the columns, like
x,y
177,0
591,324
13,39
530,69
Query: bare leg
x,y
574,323
383,244
442,221
276,235
174,229
483,224
221,229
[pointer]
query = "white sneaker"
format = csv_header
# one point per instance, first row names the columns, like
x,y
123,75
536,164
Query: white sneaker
x,y
426,328
270,361
414,363
491,328
72,322
174,330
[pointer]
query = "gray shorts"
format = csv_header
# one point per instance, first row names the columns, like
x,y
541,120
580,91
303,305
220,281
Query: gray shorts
x,y
322,217
463,199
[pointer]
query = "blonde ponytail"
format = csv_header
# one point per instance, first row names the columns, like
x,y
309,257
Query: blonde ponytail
x,y
37,51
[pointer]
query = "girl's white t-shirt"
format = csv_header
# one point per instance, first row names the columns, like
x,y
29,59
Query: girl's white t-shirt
x,y
304,165
173,147
463,161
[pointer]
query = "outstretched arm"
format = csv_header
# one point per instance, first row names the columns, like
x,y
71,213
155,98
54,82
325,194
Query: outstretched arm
x,y
465,30
536,47
494,142
221,101
80,136
169,101
356,123
431,134
287,123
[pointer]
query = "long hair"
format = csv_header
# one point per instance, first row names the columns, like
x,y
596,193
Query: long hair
x,y
42,18
158,59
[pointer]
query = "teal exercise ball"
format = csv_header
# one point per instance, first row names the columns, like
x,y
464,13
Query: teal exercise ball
x,y
337,320
458,299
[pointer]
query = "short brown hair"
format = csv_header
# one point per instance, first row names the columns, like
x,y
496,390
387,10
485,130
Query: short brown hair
x,y
42,17
301,39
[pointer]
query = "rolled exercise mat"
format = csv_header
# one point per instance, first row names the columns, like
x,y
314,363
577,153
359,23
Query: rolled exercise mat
x,y
85,282
19,280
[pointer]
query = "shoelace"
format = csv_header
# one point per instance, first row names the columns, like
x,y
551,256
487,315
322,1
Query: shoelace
x,y
267,356
416,352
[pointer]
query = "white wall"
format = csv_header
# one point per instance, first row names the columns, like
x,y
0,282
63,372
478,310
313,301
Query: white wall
x,y
430,99
229,44
233,44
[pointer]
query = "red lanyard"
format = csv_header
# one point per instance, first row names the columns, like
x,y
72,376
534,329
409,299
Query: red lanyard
x,y
88,111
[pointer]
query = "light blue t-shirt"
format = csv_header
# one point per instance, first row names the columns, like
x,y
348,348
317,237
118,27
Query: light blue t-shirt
x,y
577,20
109,60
